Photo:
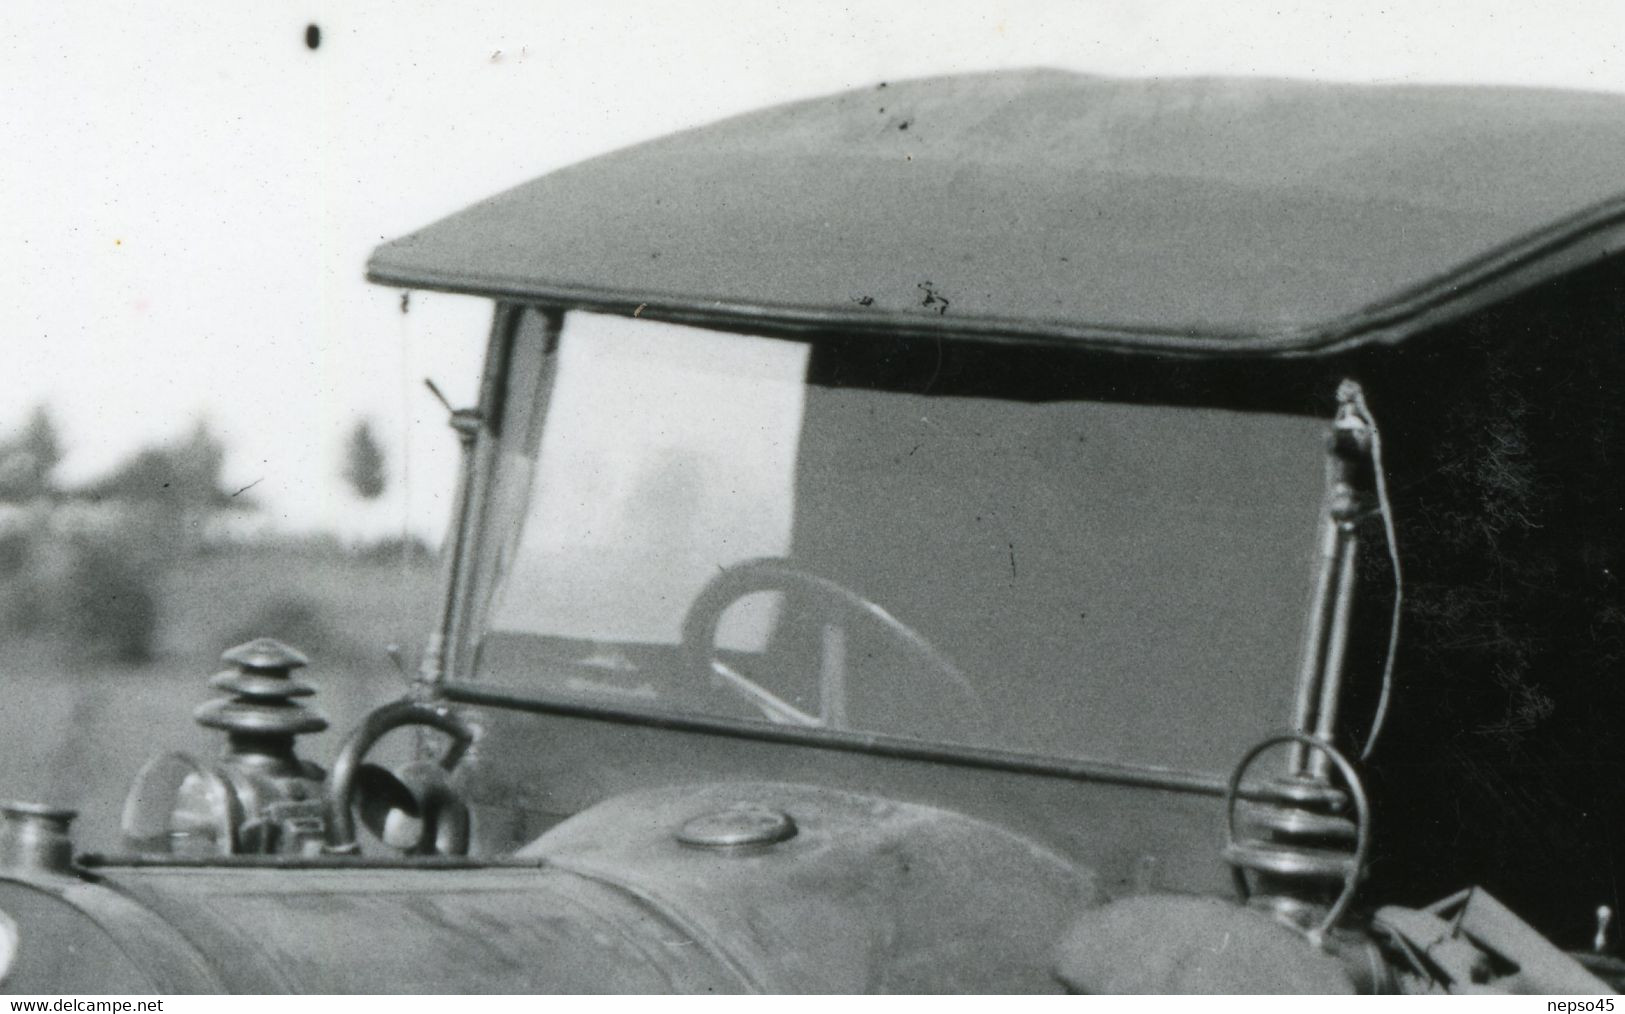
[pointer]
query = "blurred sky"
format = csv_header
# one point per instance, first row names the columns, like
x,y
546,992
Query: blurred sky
x,y
188,194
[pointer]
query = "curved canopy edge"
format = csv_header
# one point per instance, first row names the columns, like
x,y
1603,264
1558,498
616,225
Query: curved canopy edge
x,y
1585,239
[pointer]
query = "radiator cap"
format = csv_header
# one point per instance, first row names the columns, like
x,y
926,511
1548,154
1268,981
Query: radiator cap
x,y
34,838
738,827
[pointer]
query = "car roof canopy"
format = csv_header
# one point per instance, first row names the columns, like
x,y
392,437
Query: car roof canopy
x,y
1198,215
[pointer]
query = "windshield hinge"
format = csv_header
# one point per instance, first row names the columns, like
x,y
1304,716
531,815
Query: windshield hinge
x,y
465,422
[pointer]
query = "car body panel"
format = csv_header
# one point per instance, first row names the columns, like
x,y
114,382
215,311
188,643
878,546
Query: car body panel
x,y
392,930
867,895
1132,833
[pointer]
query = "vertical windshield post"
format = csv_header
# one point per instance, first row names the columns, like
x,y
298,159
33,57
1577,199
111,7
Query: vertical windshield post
x,y
1350,496
1306,845
475,428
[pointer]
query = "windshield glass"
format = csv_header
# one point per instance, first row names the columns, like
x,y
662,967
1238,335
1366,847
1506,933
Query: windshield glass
x,y
946,544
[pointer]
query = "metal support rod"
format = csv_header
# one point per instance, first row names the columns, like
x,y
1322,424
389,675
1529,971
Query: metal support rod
x,y
1314,643
432,667
1326,637
474,428
1337,638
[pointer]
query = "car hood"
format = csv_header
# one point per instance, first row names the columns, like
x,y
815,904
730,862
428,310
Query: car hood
x,y
866,895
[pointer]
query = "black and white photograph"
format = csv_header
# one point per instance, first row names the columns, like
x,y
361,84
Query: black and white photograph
x,y
998,497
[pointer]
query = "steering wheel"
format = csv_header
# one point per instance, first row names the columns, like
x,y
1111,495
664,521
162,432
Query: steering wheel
x,y
842,608
413,809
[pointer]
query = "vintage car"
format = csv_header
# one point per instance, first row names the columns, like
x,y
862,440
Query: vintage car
x,y
1008,532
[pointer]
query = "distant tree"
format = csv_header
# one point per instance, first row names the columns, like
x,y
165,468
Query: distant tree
x,y
29,459
39,439
184,476
200,459
364,466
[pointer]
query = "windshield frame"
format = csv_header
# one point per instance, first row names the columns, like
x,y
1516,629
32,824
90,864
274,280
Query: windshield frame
x,y
449,662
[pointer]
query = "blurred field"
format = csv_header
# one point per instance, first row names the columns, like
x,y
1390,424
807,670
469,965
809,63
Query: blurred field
x,y
74,734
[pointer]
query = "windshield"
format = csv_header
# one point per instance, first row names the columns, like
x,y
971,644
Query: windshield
x,y
949,544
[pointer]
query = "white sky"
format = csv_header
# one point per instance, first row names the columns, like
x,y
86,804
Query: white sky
x,y
188,194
